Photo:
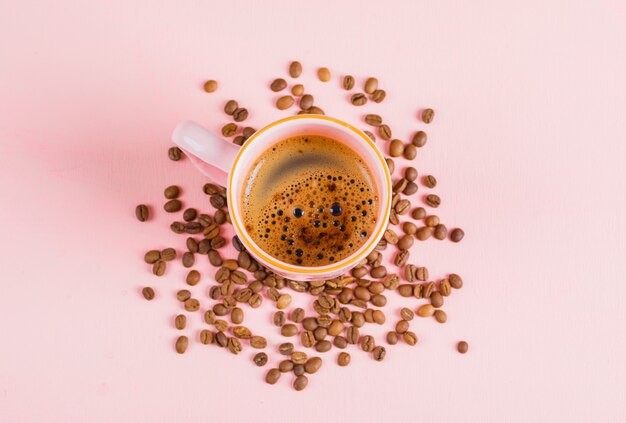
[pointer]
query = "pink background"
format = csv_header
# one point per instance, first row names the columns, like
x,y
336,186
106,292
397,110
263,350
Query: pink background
x,y
528,145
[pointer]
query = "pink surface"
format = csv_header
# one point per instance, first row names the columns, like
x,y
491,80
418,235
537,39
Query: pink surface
x,y
527,145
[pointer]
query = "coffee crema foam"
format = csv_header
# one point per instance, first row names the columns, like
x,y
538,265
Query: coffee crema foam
x,y
310,200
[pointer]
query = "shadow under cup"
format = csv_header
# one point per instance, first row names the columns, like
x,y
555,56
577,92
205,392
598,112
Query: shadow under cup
x,y
309,125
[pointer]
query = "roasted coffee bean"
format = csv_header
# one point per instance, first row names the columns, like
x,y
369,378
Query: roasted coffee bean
x,y
221,339
406,314
410,338
431,221
348,82
214,258
236,315
444,287
436,299
283,301
173,206
260,359
182,342
314,110
411,188
289,329
307,339
183,295
392,338
295,69
456,235
306,102
286,348
358,99
323,74
335,328
193,228
278,84
320,333
410,152
384,131
423,233
373,120
427,289
419,139
399,186
285,366
462,347
298,357
379,353
219,217
426,310
417,291
378,300
168,254
217,201
240,114
343,359
410,174
410,273
301,381
239,140
418,213
370,135
376,287
158,268
402,207
323,346
229,129
359,272
178,227
367,343
190,214
378,316
371,85
390,165
192,245
378,96
221,325
428,115
405,242
272,376
352,334
312,365
402,326
405,290
193,277
309,323
175,153
297,315
409,228
402,257
298,369
142,213
430,181
391,282
218,242
390,236
440,316
279,318
242,332
180,321
152,256
396,148
455,281
210,86
340,342
297,90
433,200
237,244
421,273
211,231
192,304
244,260
148,293
378,272
440,231
206,337
284,102
369,315
188,259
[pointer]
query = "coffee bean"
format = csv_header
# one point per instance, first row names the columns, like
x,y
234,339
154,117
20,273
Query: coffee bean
x,y
378,316
283,301
320,333
286,348
359,272
378,272
340,342
297,90
173,206
343,359
440,316
462,347
455,281
430,181
426,310
419,139
214,258
385,133
352,334
284,102
390,165
158,268
402,326
188,259
183,295
370,135
242,332
206,337
402,207
436,299
295,69
217,201
418,213
410,152
379,353
433,200
230,107
431,221
219,217
391,282
457,235
211,189
192,304
396,148
298,357
148,293
193,277
142,213
323,346
367,343
234,345
314,110
221,339
260,359
335,328
239,140
373,120
307,339
180,321
247,132
358,319
278,84
410,174
272,376
410,338
428,115
405,242
300,383
175,153
285,366
410,273
445,289
402,257
348,82
440,231
405,290
392,338
229,129
236,315
399,186
411,188
182,342
289,329
423,233
218,242
378,96
323,74
358,99
371,85
152,256
427,289
240,114
312,365
192,245
306,102
178,227
390,236
168,254
279,318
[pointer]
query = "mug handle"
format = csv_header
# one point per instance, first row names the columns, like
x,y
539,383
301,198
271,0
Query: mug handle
x,y
212,155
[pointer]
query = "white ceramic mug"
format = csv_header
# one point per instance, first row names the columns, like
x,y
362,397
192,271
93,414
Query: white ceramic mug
x,y
227,164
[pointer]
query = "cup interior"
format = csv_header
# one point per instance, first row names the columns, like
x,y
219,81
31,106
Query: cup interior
x,y
310,125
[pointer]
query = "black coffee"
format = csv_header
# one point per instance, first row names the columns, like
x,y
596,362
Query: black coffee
x,y
310,201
